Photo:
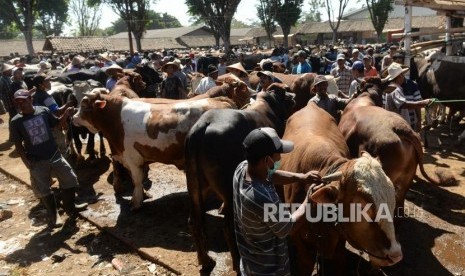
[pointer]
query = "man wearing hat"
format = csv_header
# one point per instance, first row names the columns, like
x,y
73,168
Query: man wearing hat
x,y
30,131
266,79
261,242
330,103
396,100
6,94
343,74
113,72
358,74
207,82
171,86
238,70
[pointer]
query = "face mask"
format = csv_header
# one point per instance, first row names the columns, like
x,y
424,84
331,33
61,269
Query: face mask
x,y
273,170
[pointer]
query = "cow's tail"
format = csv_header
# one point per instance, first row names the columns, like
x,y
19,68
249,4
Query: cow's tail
x,y
441,176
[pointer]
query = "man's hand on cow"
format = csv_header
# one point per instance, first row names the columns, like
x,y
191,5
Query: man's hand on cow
x,y
312,177
314,187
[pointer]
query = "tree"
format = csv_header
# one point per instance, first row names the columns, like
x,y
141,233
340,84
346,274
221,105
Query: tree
x,y
22,14
52,15
218,13
288,13
335,19
314,14
87,16
156,21
237,24
379,14
267,10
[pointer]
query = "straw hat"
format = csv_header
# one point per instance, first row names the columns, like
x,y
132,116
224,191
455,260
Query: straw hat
x,y
7,67
171,63
105,56
394,70
78,60
237,66
114,67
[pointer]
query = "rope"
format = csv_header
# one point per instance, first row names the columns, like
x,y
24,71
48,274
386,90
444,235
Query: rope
x,y
434,100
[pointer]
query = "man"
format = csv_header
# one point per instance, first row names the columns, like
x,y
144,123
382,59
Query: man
x,y
30,130
171,86
266,79
388,59
330,103
6,94
396,100
42,98
262,243
358,74
222,65
369,70
343,74
113,72
207,82
355,56
17,81
303,66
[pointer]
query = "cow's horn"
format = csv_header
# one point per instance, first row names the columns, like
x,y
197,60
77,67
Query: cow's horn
x,y
332,177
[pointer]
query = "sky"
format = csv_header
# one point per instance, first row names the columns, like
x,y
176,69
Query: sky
x,y
246,11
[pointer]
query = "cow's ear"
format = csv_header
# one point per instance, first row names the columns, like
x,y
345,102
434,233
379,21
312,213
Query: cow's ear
x,y
100,104
365,154
327,194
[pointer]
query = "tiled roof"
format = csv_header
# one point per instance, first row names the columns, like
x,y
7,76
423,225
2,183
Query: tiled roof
x,y
9,46
122,44
166,33
77,44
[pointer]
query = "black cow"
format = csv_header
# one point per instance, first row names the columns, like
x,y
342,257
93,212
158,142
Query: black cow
x,y
203,62
151,78
213,151
82,75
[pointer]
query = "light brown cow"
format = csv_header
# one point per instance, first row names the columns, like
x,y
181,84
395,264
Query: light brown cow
x,y
139,132
319,145
389,137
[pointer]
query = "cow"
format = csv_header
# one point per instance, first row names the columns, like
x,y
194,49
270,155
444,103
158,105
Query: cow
x,y
319,145
80,89
151,78
387,136
213,151
82,75
139,132
442,77
300,85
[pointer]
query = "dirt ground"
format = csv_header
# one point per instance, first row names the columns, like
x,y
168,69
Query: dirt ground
x,y
433,239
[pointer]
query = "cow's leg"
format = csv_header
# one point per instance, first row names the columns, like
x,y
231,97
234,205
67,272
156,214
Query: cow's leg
x,y
117,179
78,144
229,234
90,148
103,151
137,176
302,258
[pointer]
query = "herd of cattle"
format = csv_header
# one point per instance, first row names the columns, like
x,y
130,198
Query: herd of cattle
x,y
376,150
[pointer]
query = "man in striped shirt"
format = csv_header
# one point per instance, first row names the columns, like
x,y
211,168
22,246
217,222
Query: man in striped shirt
x,y
262,241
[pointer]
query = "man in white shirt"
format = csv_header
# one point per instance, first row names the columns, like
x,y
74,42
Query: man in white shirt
x,y
207,82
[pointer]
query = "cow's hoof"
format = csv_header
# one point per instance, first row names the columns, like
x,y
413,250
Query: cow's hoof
x,y
207,267
147,195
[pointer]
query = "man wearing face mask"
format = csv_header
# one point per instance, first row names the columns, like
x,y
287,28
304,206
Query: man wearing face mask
x,y
261,242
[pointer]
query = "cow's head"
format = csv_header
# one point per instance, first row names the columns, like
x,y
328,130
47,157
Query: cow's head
x,y
364,185
133,81
89,108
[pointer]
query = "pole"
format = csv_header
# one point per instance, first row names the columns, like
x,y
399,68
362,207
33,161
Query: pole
x,y
408,36
448,36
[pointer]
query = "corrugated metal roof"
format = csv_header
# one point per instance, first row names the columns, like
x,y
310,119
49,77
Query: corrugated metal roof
x,y
77,44
239,32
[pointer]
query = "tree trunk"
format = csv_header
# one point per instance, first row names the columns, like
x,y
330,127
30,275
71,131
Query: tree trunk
x,y
285,42
378,36
334,36
138,42
131,47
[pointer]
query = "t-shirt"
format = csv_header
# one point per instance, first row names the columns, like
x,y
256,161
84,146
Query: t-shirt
x,y
394,102
205,84
262,244
331,104
42,98
35,131
171,86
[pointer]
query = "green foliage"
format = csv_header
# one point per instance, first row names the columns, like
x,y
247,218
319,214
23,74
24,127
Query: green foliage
x,y
267,12
52,15
156,21
379,13
314,14
237,24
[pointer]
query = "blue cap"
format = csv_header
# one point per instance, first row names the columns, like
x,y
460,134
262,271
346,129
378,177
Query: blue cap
x,y
358,65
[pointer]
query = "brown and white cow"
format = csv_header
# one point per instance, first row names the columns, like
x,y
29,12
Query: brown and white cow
x,y
140,132
387,136
319,145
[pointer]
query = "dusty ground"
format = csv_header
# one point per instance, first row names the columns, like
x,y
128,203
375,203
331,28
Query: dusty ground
x,y
433,240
